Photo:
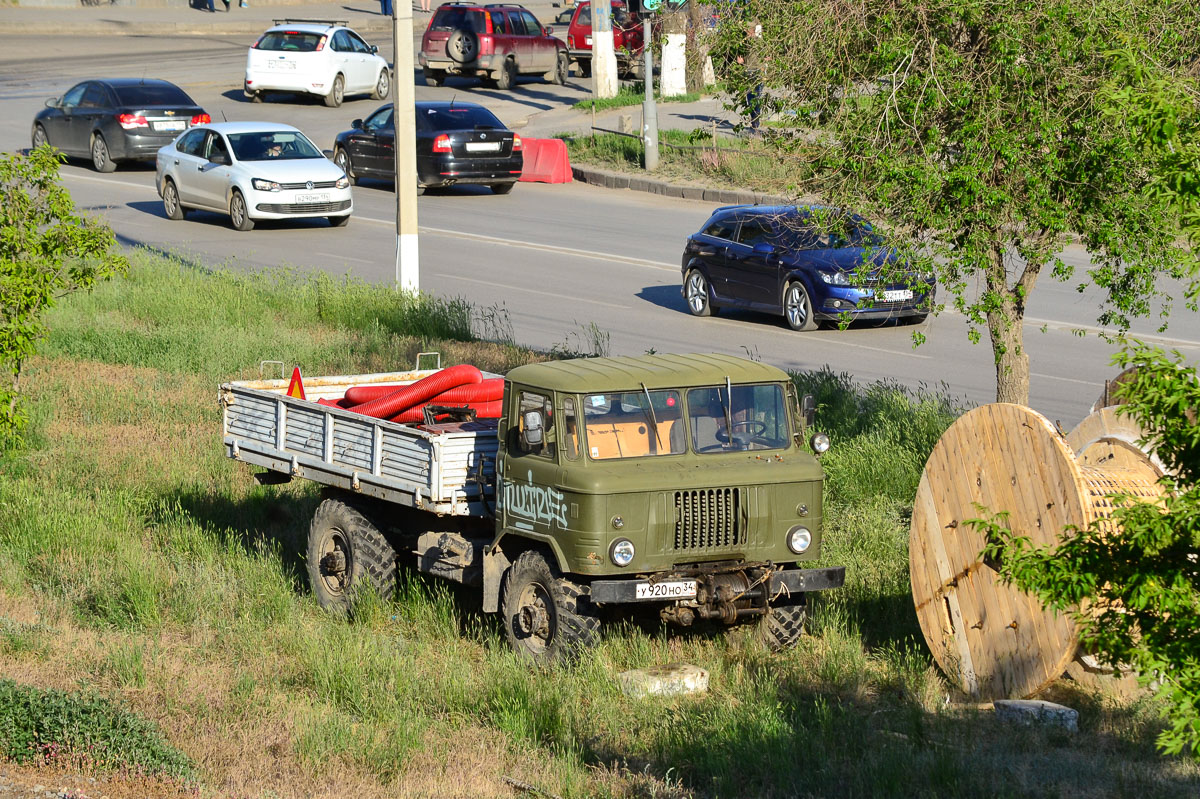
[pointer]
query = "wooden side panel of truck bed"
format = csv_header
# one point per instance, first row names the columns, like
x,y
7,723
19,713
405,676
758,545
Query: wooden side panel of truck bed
x,y
447,468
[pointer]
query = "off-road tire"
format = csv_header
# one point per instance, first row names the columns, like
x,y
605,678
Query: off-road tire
x,y
783,626
532,586
337,93
383,86
463,46
370,560
506,76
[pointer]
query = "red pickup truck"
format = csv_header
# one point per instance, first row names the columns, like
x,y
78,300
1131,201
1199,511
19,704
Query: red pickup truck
x,y
627,40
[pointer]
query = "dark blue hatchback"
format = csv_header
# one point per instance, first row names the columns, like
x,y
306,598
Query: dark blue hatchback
x,y
808,264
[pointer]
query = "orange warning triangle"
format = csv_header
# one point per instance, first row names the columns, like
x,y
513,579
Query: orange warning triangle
x,y
296,387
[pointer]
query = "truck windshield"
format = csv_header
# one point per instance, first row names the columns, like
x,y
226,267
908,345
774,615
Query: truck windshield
x,y
754,418
633,424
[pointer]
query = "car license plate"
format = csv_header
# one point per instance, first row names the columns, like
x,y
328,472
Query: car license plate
x,y
668,589
281,65
896,295
170,124
482,146
312,198
587,40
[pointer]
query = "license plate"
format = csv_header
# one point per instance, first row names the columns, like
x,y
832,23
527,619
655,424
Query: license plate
x,y
482,146
170,124
587,40
281,65
895,295
668,589
312,198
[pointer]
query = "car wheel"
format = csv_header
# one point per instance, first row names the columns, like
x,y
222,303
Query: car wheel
x,y
383,86
101,160
171,204
239,215
39,136
585,68
696,293
561,67
255,97
337,93
507,75
435,77
339,221
463,46
502,188
342,159
797,307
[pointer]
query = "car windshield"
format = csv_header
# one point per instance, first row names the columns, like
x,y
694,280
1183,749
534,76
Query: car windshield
x,y
449,19
296,41
633,424
271,145
155,94
458,118
803,233
746,418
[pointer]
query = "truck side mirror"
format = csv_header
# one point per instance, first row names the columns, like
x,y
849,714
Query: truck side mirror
x,y
531,435
808,409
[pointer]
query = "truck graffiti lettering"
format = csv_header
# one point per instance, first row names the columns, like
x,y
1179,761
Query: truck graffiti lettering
x,y
535,502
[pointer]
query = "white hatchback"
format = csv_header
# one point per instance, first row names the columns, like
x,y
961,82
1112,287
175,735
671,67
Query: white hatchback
x,y
251,171
318,57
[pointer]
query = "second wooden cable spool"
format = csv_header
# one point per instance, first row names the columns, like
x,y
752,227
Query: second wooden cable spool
x,y
989,638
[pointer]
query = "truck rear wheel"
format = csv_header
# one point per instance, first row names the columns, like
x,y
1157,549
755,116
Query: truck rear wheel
x,y
783,626
546,618
346,554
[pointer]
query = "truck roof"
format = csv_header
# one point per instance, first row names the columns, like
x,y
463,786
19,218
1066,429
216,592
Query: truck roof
x,y
584,375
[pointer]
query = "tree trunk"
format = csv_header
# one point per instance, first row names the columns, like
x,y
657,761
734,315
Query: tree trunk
x,y
1006,327
697,54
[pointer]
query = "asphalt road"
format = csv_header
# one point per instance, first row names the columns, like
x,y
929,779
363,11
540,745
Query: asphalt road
x,y
558,262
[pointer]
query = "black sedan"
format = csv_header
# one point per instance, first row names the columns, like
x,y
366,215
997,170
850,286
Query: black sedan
x,y
121,119
807,264
456,143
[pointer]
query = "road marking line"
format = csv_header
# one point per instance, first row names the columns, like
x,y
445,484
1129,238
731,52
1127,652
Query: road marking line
x,y
109,182
1071,326
1063,379
345,257
494,284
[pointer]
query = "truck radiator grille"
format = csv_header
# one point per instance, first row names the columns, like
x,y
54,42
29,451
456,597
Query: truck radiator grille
x,y
709,519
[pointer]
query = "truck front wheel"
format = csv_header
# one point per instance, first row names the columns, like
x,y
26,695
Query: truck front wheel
x,y
783,626
346,554
546,617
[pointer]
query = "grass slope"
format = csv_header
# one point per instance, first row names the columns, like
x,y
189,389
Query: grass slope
x,y
138,563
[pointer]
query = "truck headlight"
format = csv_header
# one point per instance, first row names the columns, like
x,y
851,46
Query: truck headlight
x,y
819,443
621,552
799,539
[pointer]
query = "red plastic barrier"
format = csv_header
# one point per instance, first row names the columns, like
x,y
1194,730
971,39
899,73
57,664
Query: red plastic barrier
x,y
545,161
420,391
483,410
490,389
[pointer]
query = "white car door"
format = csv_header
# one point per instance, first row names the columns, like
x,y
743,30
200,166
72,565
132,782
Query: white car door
x,y
213,178
186,162
346,61
367,63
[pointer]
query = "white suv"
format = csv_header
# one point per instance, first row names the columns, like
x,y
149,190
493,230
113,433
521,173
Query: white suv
x,y
321,57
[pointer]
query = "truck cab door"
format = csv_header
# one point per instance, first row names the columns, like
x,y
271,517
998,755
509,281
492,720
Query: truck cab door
x,y
531,501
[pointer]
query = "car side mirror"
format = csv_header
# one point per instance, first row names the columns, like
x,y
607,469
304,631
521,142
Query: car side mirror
x,y
53,102
219,158
762,248
357,124
546,31
808,409
374,49
531,436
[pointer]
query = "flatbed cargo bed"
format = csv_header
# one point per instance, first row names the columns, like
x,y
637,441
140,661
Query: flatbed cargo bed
x,y
443,468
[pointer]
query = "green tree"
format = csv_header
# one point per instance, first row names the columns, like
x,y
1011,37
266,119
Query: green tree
x,y
1140,579
983,134
46,252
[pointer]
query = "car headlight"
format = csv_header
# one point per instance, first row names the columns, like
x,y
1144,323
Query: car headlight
x,y
343,182
621,552
819,443
799,539
264,185
834,278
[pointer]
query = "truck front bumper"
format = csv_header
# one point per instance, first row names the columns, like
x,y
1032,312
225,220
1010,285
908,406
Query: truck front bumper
x,y
780,583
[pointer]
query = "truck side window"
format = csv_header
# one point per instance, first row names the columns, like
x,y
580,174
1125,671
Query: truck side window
x,y
535,424
571,428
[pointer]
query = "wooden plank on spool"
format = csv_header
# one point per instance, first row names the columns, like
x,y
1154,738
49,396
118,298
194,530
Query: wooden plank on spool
x,y
1007,458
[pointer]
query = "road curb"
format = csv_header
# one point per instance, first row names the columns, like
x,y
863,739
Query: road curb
x,y
621,180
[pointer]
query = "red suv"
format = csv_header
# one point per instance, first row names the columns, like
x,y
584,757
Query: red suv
x,y
495,42
627,40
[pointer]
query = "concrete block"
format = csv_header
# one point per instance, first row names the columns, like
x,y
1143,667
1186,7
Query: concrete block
x,y
639,184
668,680
693,193
1037,711
625,123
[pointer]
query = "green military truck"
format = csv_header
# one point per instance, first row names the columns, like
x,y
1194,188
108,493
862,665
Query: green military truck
x,y
683,484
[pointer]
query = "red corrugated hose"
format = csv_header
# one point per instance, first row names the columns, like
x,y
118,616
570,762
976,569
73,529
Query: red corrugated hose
x,y
420,391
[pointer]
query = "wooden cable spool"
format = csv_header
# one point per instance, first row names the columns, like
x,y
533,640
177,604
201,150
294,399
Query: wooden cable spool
x,y
989,638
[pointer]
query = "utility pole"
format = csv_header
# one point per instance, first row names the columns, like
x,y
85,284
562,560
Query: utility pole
x,y
604,57
649,108
404,143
